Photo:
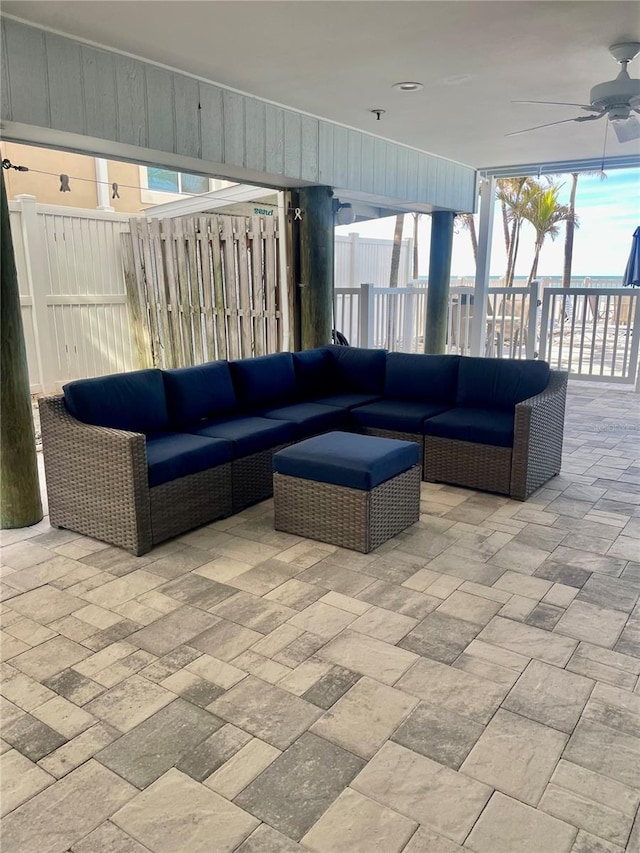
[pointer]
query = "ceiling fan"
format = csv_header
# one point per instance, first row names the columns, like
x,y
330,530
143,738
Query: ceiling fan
x,y
617,99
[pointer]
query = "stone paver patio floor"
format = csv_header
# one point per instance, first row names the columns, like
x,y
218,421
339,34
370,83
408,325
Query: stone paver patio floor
x,y
471,685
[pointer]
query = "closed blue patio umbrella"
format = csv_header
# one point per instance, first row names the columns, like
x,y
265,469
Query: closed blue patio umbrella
x,y
632,272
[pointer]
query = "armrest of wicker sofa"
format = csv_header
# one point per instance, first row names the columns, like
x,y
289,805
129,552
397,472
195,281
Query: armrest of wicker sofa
x,y
96,477
537,446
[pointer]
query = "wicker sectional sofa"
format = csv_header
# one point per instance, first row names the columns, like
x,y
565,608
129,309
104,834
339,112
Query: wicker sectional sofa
x,y
136,458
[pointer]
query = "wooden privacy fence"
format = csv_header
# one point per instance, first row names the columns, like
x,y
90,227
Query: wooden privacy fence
x,y
203,288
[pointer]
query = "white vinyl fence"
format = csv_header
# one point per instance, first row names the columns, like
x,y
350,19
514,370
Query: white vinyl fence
x,y
72,292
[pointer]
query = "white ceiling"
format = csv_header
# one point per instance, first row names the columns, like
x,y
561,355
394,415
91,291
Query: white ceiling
x,y
338,60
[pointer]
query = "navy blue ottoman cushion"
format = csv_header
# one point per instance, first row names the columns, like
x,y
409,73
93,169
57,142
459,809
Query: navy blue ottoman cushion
x,y
309,418
346,459
483,426
433,378
129,401
499,383
396,415
249,435
174,455
359,370
264,381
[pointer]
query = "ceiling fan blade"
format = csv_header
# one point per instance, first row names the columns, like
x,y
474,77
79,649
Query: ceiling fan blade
x,y
627,129
561,104
551,123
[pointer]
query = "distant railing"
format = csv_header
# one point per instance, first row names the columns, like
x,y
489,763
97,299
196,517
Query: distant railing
x,y
592,333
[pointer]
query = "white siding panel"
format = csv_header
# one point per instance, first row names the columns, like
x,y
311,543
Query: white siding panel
x,y
367,164
354,172
160,109
292,144
211,123
340,156
99,85
255,120
325,154
310,142
26,58
132,102
413,159
64,69
187,98
391,171
274,130
379,166
233,128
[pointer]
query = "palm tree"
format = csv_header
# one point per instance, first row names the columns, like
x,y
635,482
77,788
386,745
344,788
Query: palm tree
x,y
514,194
543,211
468,223
572,224
416,219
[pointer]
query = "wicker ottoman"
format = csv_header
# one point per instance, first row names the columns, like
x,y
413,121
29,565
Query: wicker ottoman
x,y
351,490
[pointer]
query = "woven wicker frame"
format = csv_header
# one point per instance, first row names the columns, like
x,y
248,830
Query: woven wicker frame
x,y
350,518
252,478
535,457
97,485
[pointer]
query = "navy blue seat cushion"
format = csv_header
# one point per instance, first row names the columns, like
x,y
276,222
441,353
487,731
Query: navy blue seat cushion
x,y
396,415
359,370
173,455
483,426
249,435
421,377
497,383
347,401
309,418
131,401
263,381
196,393
345,459
315,373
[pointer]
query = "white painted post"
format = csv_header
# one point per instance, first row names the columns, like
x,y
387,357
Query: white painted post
x,y
102,183
366,315
354,260
532,322
408,319
284,278
38,283
485,233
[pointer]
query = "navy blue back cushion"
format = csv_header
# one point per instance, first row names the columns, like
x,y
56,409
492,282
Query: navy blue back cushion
x,y
358,369
315,372
130,401
496,383
432,378
264,380
197,393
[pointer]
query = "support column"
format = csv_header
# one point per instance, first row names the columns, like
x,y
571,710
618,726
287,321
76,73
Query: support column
x,y
316,266
483,266
435,333
21,504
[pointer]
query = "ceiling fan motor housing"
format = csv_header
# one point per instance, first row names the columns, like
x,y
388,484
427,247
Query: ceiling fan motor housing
x,y
617,96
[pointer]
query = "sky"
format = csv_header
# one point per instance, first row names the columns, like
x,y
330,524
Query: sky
x,y
608,213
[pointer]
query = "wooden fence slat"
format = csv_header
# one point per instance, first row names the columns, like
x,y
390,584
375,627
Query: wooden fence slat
x,y
218,289
169,348
244,293
168,246
257,286
228,252
149,280
270,284
191,238
182,285
137,304
210,319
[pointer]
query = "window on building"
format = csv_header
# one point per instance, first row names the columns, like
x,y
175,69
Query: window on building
x,y
167,181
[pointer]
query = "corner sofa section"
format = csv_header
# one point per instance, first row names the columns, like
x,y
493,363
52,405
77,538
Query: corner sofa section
x,y
133,459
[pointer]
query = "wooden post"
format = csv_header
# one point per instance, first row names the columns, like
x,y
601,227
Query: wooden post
x,y
435,335
316,266
21,505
